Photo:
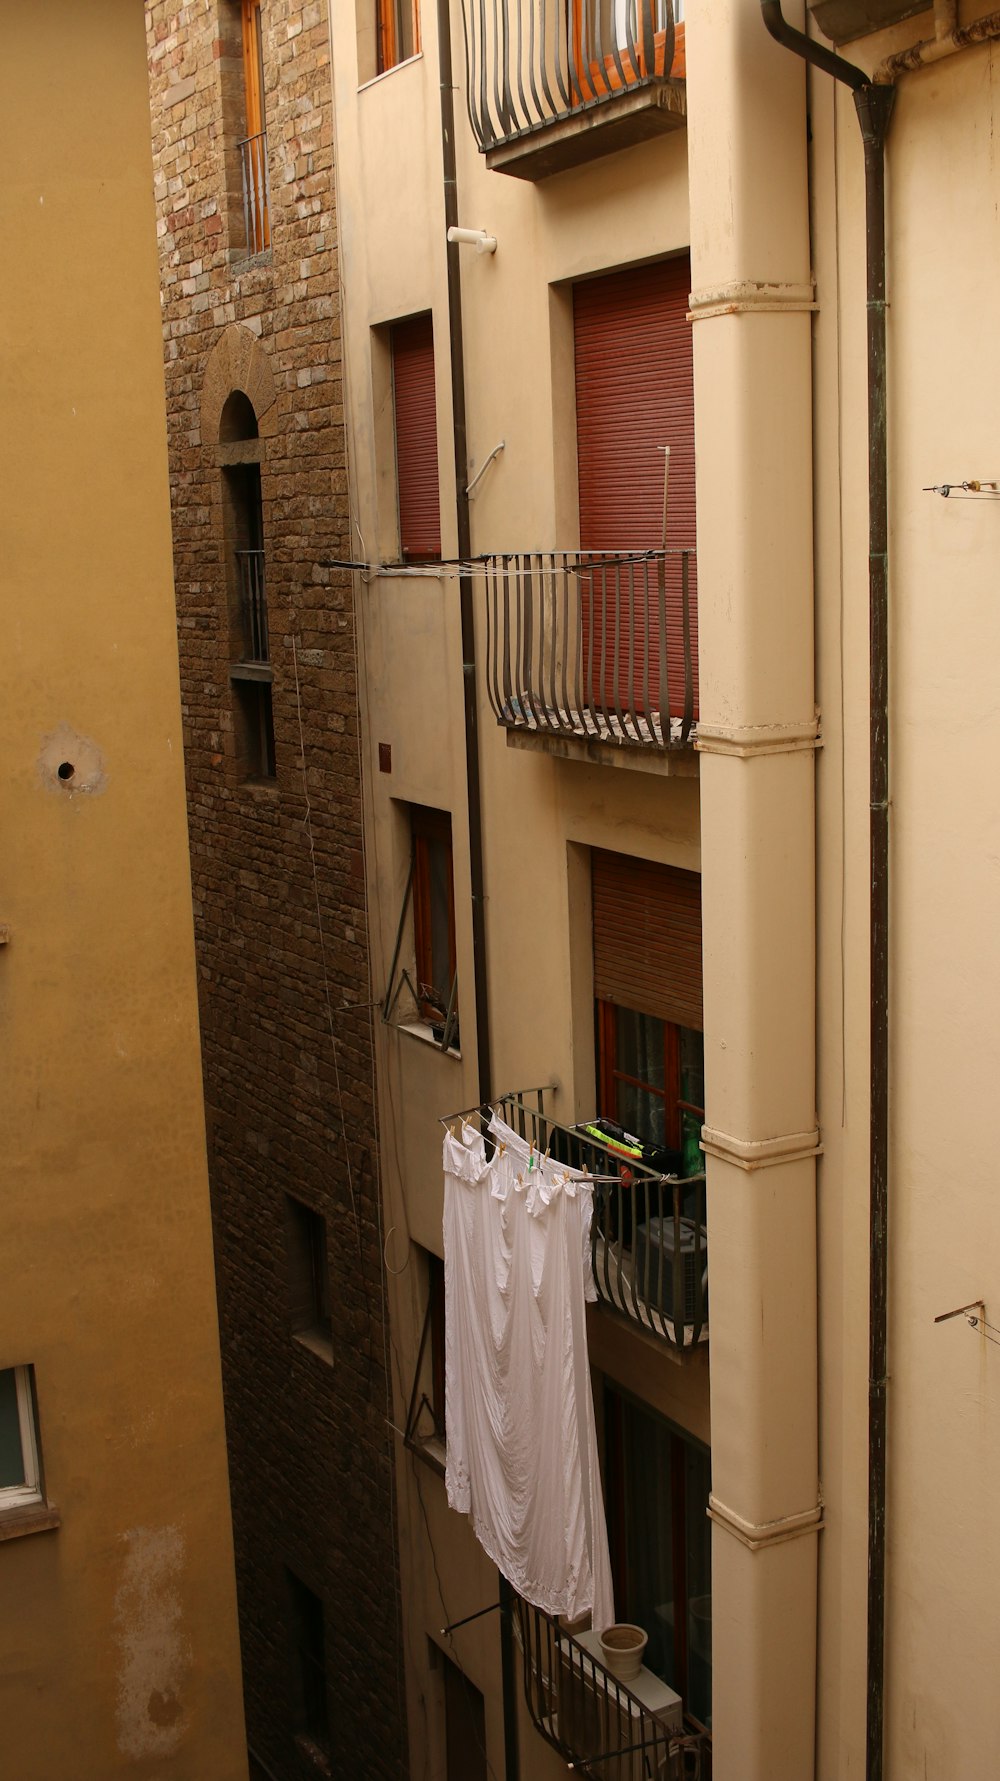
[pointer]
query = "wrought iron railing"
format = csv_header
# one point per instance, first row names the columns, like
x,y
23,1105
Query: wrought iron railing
x,y
256,192
594,645
253,605
595,1721
531,62
649,1234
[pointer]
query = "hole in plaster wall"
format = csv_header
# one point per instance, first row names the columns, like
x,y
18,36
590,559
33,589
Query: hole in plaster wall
x,y
69,762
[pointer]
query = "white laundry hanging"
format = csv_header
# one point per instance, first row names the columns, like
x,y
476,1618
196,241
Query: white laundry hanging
x,y
519,1411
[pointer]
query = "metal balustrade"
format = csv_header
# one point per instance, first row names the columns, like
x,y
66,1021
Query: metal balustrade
x,y
594,645
593,1720
649,1233
256,192
533,62
253,605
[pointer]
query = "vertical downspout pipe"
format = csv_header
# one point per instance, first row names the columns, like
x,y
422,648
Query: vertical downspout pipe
x,y
472,769
873,104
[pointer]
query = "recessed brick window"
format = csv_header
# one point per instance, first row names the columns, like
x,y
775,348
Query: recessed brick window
x,y
308,1275
308,1638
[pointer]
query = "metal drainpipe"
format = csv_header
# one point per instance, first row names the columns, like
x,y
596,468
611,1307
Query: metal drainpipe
x,y
472,771
874,108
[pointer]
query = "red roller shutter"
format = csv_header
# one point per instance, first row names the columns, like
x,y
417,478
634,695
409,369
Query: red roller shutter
x,y
634,395
416,438
647,937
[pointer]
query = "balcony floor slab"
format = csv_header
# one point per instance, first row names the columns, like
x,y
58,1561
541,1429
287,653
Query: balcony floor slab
x,y
600,128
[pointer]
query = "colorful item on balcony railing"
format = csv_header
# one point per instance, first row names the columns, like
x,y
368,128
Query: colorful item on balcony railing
x,y
649,1229
532,62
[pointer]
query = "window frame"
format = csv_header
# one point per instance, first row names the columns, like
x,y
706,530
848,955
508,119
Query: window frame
x,y
430,1367
255,121
29,1494
608,1074
311,1298
429,826
614,1467
389,33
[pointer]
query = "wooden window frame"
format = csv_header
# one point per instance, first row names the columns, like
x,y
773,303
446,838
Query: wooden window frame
x,y
428,826
608,1074
23,1496
254,114
388,33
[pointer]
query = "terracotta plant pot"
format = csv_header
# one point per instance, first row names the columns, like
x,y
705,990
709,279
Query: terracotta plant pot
x,y
622,1648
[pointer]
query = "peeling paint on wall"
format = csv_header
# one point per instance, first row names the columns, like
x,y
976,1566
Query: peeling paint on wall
x,y
153,1655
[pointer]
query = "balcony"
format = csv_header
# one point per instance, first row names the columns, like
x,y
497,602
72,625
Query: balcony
x,y
552,83
602,1727
593,653
649,1236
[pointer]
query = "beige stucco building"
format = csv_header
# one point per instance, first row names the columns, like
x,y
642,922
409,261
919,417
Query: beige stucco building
x,y
643,236
118,1649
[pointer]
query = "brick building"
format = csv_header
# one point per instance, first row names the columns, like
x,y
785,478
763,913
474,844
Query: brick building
x,y
242,141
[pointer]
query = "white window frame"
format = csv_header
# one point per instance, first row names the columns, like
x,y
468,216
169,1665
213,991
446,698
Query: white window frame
x,y
20,1496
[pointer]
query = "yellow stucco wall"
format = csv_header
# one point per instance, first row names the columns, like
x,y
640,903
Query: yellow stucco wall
x,y
118,1643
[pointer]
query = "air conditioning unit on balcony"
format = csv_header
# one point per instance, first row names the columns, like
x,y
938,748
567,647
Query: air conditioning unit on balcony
x,y
624,1730
655,1250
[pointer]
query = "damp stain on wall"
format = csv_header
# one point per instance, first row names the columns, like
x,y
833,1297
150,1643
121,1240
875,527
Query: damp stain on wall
x,y
153,1656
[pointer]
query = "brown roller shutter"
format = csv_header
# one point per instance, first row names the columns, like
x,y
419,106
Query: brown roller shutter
x,y
647,937
634,395
416,438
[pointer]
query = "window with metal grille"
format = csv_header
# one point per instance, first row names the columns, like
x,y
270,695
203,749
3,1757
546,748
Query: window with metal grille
x,y
415,413
250,671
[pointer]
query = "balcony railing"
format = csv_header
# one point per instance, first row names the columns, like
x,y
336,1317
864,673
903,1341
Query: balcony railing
x,y
253,605
592,645
256,192
596,1722
649,1234
532,63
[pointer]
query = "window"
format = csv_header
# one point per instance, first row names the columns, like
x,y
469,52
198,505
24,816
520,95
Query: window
x,y
396,31
20,1472
657,1483
253,145
647,981
623,421
425,1418
309,1274
243,525
415,413
433,915
465,1725
309,1644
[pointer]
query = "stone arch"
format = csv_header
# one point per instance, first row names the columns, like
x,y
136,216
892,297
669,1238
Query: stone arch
x,y
237,362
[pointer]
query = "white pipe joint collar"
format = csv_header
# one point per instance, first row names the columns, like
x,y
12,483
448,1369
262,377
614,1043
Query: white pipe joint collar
x,y
477,238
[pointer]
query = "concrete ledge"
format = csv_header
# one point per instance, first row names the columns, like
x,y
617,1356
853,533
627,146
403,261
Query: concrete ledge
x,y
600,128
676,763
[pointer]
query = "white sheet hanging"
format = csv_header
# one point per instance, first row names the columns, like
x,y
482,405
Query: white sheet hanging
x,y
522,1445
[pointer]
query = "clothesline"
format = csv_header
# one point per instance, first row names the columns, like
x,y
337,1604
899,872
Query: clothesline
x,y
486,1113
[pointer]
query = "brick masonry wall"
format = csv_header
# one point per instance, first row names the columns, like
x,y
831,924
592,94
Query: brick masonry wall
x,y
290,1111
